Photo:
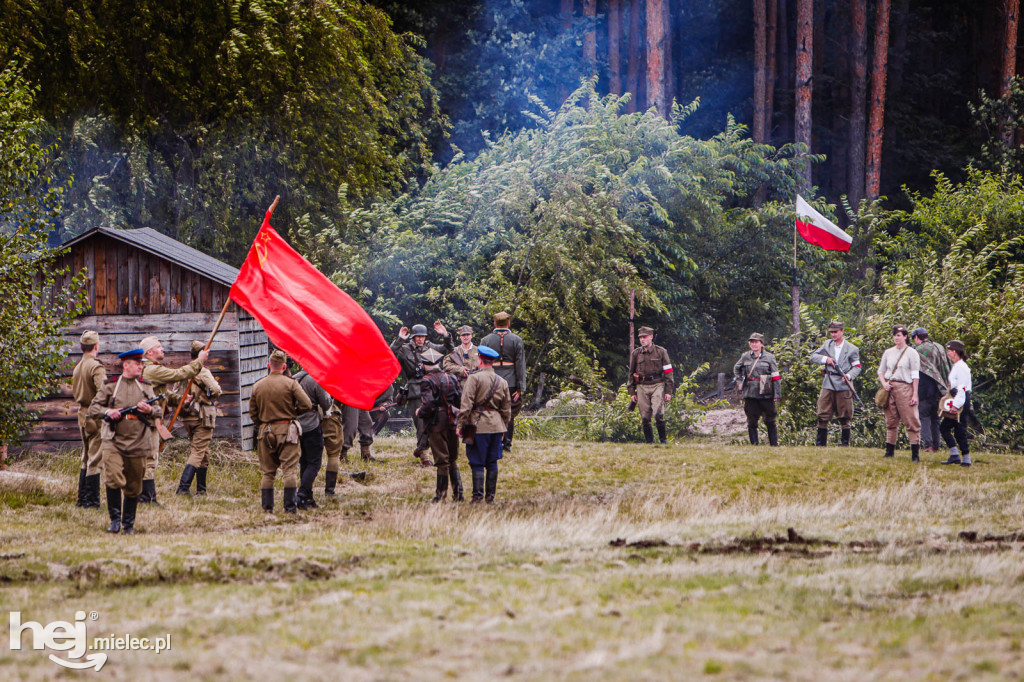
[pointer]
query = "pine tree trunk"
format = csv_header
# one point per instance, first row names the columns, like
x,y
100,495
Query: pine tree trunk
x,y
1009,62
804,64
614,49
876,125
670,81
590,39
760,68
858,99
634,15
656,91
769,90
785,70
565,12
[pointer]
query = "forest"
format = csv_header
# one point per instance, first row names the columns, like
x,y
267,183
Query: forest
x,y
556,158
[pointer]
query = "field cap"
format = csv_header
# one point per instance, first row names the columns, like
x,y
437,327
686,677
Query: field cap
x,y
89,338
919,332
645,331
148,343
835,324
756,337
502,320
465,329
279,356
197,346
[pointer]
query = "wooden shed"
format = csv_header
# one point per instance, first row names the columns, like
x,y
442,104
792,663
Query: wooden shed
x,y
142,283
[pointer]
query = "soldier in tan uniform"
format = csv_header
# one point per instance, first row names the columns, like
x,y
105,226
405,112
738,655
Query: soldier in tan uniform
x,y
277,401
333,438
128,442
161,377
650,383
86,381
199,417
484,415
465,359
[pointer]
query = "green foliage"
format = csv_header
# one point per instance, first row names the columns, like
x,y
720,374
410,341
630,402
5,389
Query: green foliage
x,y
997,119
189,117
32,315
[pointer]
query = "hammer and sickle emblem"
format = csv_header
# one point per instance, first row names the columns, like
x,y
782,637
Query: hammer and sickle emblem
x,y
262,249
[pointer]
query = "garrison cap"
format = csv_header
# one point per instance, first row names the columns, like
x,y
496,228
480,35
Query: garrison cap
x,y
900,329
149,342
419,330
430,357
465,329
279,357
756,337
502,320
835,324
133,354
958,346
197,346
488,352
645,331
89,338
920,332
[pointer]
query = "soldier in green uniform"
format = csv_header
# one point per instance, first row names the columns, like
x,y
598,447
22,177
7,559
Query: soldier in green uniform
x,y
199,417
510,366
757,375
160,377
277,401
409,353
441,396
86,381
128,442
465,359
650,383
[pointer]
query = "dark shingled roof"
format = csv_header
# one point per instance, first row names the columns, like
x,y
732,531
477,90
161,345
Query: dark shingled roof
x,y
161,245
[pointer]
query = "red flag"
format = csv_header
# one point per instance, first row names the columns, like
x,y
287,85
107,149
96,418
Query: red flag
x,y
819,230
314,321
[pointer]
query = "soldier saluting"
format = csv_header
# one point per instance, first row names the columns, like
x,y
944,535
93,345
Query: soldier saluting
x,y
757,374
650,383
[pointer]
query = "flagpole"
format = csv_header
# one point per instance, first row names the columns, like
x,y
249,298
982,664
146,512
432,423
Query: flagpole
x,y
796,288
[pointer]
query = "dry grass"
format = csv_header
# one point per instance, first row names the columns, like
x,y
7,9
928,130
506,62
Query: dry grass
x,y
599,562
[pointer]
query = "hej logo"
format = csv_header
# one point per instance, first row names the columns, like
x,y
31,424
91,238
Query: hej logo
x,y
59,636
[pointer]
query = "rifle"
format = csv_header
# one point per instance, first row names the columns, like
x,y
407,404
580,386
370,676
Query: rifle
x,y
829,369
131,411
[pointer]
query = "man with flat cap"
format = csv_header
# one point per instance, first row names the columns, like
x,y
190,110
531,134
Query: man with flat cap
x,y
277,401
650,383
199,417
441,395
510,365
465,358
757,375
127,440
409,352
931,387
86,381
841,365
484,414
161,377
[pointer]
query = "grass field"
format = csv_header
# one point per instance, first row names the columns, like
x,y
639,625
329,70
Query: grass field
x,y
691,561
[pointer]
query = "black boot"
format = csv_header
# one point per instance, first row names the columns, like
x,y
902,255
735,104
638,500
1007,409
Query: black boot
x,y
304,499
201,480
114,507
915,449
330,482
648,431
491,484
478,486
822,439
289,501
148,495
442,486
267,499
92,492
890,450
185,484
506,440
128,515
81,489
954,456
845,438
660,423
458,494
752,435
773,435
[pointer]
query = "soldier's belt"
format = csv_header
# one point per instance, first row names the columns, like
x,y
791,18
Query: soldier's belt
x,y
504,363
650,377
280,421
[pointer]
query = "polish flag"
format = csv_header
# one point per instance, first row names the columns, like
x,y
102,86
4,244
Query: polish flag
x,y
819,230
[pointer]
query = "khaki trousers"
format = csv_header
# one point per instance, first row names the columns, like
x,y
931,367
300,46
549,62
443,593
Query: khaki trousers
x,y
444,446
333,437
355,420
92,446
120,472
284,456
152,459
838,403
899,409
650,400
201,437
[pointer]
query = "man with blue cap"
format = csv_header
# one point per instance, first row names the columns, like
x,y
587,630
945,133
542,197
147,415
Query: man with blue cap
x,y
127,435
484,415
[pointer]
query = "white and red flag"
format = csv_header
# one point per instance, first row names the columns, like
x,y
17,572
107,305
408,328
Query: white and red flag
x,y
819,230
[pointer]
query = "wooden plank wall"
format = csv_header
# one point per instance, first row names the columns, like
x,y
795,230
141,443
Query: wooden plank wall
x,y
253,351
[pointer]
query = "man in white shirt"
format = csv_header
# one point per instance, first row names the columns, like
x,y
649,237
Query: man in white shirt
x,y
899,373
841,365
954,421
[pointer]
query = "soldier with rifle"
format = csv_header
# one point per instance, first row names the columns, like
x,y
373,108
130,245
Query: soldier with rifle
x,y
757,375
841,365
199,417
410,356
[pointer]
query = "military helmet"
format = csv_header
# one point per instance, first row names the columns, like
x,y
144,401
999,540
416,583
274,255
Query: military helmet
x,y
419,330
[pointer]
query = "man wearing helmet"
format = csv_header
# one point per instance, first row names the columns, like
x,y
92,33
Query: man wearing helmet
x,y
409,352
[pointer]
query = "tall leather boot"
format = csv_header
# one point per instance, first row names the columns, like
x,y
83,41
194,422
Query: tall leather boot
x,y
915,449
289,501
344,455
201,480
81,489
506,440
185,484
330,482
128,515
648,431
752,435
364,452
267,499
822,438
458,494
114,508
662,438
773,434
92,492
890,450
442,486
478,486
491,484
845,438
304,499
148,495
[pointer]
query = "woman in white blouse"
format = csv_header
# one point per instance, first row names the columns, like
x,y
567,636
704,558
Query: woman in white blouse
x,y
954,430
899,372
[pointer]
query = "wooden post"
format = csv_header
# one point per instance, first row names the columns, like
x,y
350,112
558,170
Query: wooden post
x,y
632,311
721,385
